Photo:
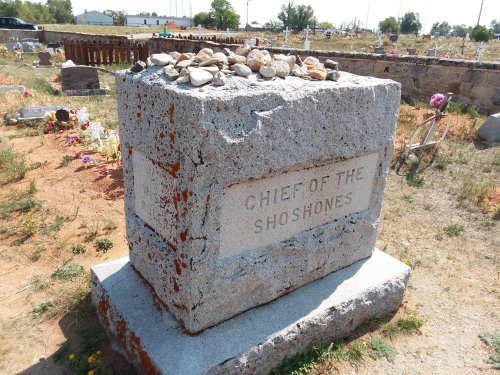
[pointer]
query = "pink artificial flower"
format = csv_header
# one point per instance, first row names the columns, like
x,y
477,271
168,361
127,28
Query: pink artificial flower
x,y
104,170
437,100
27,94
394,52
61,131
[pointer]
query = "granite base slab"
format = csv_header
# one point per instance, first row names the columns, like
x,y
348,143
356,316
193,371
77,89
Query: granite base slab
x,y
255,341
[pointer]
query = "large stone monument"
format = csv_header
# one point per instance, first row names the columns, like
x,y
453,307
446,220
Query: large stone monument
x,y
252,212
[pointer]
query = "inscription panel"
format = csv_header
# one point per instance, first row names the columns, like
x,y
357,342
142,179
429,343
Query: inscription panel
x,y
153,191
272,209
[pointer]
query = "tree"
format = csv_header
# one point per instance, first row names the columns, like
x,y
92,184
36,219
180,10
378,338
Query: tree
x,y
223,14
481,34
154,14
461,30
204,19
61,10
409,24
119,17
296,17
325,25
442,28
389,25
273,25
495,26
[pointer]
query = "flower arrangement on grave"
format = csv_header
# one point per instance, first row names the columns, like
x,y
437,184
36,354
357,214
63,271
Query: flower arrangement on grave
x,y
394,52
4,51
436,100
53,125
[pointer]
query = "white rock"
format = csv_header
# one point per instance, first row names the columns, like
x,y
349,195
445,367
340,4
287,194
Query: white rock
x,y
161,59
220,79
199,76
255,60
182,79
243,50
267,56
184,72
242,70
68,63
237,59
267,71
184,64
208,51
175,55
171,73
211,69
282,68
311,60
290,59
220,57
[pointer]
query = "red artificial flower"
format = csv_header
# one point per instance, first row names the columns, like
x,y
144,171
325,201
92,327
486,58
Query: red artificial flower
x,y
119,147
104,170
84,126
78,155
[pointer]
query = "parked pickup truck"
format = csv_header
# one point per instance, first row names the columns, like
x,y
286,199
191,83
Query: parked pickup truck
x,y
16,23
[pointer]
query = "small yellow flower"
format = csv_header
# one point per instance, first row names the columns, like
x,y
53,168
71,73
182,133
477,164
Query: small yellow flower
x,y
91,359
71,357
407,141
98,352
91,372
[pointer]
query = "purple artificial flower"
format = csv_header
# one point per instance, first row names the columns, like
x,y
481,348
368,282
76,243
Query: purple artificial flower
x,y
86,159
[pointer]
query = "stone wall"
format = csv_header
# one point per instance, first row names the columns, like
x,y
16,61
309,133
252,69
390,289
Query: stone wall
x,y
5,34
472,82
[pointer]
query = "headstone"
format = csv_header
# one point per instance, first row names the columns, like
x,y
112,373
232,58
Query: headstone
x,y
54,45
38,112
489,131
286,37
307,42
257,197
80,80
19,88
44,59
28,47
412,51
432,53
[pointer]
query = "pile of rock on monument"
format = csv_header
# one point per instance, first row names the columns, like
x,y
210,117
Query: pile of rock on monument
x,y
208,66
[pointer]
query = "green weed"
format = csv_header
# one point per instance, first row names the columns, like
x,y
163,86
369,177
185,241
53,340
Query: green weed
x,y
50,229
493,341
12,166
41,308
103,244
110,225
379,349
415,180
66,160
405,325
67,273
454,230
441,161
78,249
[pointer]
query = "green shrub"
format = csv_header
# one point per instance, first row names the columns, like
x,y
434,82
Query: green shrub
x,y
103,244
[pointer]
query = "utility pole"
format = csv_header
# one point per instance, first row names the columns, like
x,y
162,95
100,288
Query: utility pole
x,y
480,11
367,14
247,11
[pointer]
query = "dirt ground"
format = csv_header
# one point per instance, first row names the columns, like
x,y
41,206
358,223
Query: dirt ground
x,y
445,227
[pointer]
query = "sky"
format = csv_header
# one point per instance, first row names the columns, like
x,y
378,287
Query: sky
x,y
453,11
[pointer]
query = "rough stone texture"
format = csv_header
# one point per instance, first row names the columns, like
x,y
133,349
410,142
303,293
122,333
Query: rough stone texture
x,y
79,78
182,150
255,341
489,131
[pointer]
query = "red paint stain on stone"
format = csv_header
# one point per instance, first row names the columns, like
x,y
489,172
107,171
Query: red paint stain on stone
x,y
172,246
178,269
174,169
171,147
180,306
183,255
171,114
138,115
157,303
172,136
184,265
147,365
176,286
149,256
162,135
208,198
183,236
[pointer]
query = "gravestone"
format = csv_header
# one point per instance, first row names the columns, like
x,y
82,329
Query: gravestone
x,y
44,59
238,197
54,45
17,88
489,131
26,113
80,80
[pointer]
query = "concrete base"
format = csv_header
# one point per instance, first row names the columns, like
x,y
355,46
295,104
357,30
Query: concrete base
x,y
255,341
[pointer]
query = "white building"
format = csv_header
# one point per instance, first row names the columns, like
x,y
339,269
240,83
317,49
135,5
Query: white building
x,y
157,21
93,18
